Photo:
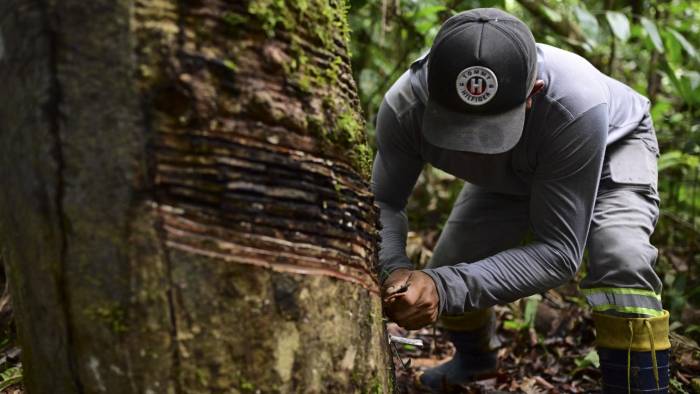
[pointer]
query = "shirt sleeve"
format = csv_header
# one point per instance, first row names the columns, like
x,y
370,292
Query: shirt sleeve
x,y
563,194
394,173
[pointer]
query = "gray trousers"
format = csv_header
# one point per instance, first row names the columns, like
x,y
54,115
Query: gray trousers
x,y
620,277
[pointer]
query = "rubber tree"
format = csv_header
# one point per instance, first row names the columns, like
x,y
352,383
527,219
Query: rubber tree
x,y
185,205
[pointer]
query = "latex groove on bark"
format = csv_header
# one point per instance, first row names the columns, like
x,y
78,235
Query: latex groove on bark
x,y
218,170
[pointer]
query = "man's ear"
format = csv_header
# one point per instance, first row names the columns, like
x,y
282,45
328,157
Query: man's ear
x,y
539,85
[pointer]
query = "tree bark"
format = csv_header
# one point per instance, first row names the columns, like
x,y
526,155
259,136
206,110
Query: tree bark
x,y
186,206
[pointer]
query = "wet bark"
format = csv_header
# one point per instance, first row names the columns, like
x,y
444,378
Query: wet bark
x,y
186,206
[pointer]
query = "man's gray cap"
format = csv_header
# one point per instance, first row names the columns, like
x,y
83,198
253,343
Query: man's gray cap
x,y
481,68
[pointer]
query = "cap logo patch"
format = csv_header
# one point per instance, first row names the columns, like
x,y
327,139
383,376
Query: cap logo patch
x,y
476,85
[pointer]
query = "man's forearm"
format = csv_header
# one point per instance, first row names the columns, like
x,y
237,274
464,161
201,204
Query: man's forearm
x,y
502,278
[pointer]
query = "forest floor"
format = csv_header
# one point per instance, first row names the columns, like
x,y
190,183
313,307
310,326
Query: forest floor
x,y
547,346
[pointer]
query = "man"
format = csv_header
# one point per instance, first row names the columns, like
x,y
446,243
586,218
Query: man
x,y
547,144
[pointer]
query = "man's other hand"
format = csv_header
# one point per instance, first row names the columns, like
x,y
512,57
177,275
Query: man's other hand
x,y
410,298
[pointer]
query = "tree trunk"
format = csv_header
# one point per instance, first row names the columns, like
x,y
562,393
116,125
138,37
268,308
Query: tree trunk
x,y
185,204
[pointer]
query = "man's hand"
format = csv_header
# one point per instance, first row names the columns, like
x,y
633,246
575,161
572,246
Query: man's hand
x,y
396,281
410,298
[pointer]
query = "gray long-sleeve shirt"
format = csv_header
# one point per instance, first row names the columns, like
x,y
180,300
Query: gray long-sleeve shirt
x,y
557,163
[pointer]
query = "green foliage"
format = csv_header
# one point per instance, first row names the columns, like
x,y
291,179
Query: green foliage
x,y
589,23
10,372
677,387
10,376
527,320
590,359
619,24
653,33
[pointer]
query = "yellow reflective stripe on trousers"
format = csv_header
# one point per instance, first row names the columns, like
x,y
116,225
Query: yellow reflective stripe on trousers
x,y
620,290
628,309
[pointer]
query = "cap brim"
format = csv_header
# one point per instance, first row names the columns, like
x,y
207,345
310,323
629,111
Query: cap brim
x,y
469,132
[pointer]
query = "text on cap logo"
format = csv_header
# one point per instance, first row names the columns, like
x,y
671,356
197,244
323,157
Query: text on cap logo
x,y
476,85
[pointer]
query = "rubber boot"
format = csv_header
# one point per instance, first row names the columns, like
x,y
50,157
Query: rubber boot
x,y
475,353
634,353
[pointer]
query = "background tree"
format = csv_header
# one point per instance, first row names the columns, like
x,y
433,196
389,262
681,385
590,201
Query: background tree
x,y
185,205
